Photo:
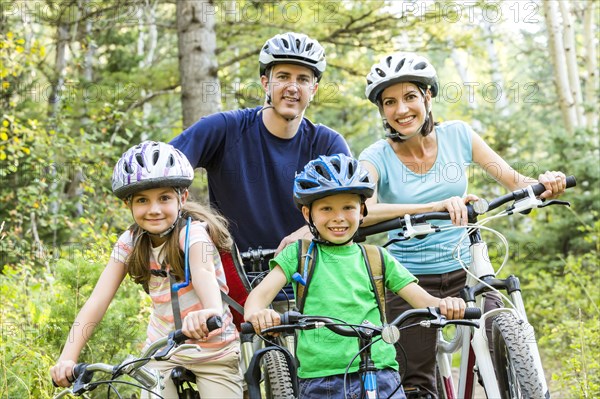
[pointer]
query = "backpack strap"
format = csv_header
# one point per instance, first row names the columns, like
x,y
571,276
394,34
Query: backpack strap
x,y
373,256
302,289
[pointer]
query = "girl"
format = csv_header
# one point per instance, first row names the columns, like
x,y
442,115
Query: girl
x,y
152,178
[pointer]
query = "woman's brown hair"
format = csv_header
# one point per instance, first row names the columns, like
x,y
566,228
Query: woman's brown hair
x,y
138,261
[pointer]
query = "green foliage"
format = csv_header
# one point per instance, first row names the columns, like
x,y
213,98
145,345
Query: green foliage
x,y
60,216
37,315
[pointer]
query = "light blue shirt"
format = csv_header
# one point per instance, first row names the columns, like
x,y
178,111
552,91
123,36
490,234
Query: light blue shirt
x,y
447,177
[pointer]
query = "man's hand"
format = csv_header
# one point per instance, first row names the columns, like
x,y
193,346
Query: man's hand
x,y
302,232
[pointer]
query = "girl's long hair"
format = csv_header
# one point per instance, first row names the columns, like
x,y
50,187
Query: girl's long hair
x,y
138,261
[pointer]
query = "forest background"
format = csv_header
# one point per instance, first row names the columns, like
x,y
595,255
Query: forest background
x,y
83,80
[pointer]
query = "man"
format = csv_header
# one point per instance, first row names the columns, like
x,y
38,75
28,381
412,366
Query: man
x,y
252,155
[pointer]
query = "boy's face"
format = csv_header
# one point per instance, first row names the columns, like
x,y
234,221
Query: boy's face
x,y
336,217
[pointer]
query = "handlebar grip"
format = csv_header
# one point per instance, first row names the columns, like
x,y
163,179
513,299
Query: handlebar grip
x,y
539,187
214,323
78,369
472,313
388,225
247,328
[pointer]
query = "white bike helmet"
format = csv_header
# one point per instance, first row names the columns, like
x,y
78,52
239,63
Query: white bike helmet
x,y
293,48
400,67
148,165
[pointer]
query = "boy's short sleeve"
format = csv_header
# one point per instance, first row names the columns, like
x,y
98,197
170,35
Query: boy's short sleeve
x,y
287,260
396,275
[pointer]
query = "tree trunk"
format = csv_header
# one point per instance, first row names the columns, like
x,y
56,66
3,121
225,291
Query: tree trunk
x,y
557,53
500,102
571,57
592,81
200,91
468,83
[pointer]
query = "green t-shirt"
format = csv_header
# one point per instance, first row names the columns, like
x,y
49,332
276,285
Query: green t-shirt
x,y
340,288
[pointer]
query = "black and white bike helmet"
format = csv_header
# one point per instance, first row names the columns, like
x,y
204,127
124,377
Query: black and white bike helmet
x,y
148,165
400,67
293,48
329,175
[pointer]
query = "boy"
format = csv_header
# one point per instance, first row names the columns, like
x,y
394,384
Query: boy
x,y
331,192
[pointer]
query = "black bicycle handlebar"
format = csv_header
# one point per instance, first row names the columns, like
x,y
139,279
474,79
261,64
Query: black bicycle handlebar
x,y
175,338
291,321
400,223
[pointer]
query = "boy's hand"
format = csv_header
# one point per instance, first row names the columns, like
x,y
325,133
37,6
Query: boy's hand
x,y
264,319
194,324
452,308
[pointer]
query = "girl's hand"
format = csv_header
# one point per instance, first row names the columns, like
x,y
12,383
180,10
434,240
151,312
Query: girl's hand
x,y
194,324
62,373
452,308
264,319
456,208
555,183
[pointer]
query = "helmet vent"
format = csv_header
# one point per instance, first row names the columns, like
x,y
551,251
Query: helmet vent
x,y
139,159
380,72
350,170
298,44
285,43
309,47
400,65
127,167
420,65
155,156
388,61
322,171
171,161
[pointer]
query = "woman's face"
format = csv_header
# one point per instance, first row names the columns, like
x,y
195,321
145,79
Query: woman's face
x,y
404,107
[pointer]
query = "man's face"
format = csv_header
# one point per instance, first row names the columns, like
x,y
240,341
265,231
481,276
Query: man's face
x,y
291,88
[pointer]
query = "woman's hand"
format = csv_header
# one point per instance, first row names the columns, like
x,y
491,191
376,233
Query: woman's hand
x,y
456,207
194,324
264,319
62,373
452,308
555,183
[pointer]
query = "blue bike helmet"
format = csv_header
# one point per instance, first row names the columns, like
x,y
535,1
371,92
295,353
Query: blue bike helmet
x,y
329,175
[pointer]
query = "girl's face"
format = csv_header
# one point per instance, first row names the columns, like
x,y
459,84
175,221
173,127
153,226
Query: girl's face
x,y
155,210
404,107
336,217
291,88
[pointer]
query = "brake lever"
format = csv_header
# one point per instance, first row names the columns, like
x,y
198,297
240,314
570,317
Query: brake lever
x,y
555,202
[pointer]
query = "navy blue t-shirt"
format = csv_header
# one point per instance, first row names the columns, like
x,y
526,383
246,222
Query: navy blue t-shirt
x,y
251,172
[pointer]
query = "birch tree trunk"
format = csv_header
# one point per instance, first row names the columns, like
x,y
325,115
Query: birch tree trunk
x,y
468,82
557,54
571,58
200,91
501,103
593,80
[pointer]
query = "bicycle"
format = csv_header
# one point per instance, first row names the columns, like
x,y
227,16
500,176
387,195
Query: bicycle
x,y
515,370
147,379
366,333
270,361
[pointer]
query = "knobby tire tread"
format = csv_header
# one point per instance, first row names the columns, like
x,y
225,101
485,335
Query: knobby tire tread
x,y
517,375
278,379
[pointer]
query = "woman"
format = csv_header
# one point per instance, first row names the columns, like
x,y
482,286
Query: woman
x,y
421,166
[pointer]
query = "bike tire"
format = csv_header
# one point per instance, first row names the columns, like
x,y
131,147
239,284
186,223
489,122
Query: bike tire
x,y
278,381
515,367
